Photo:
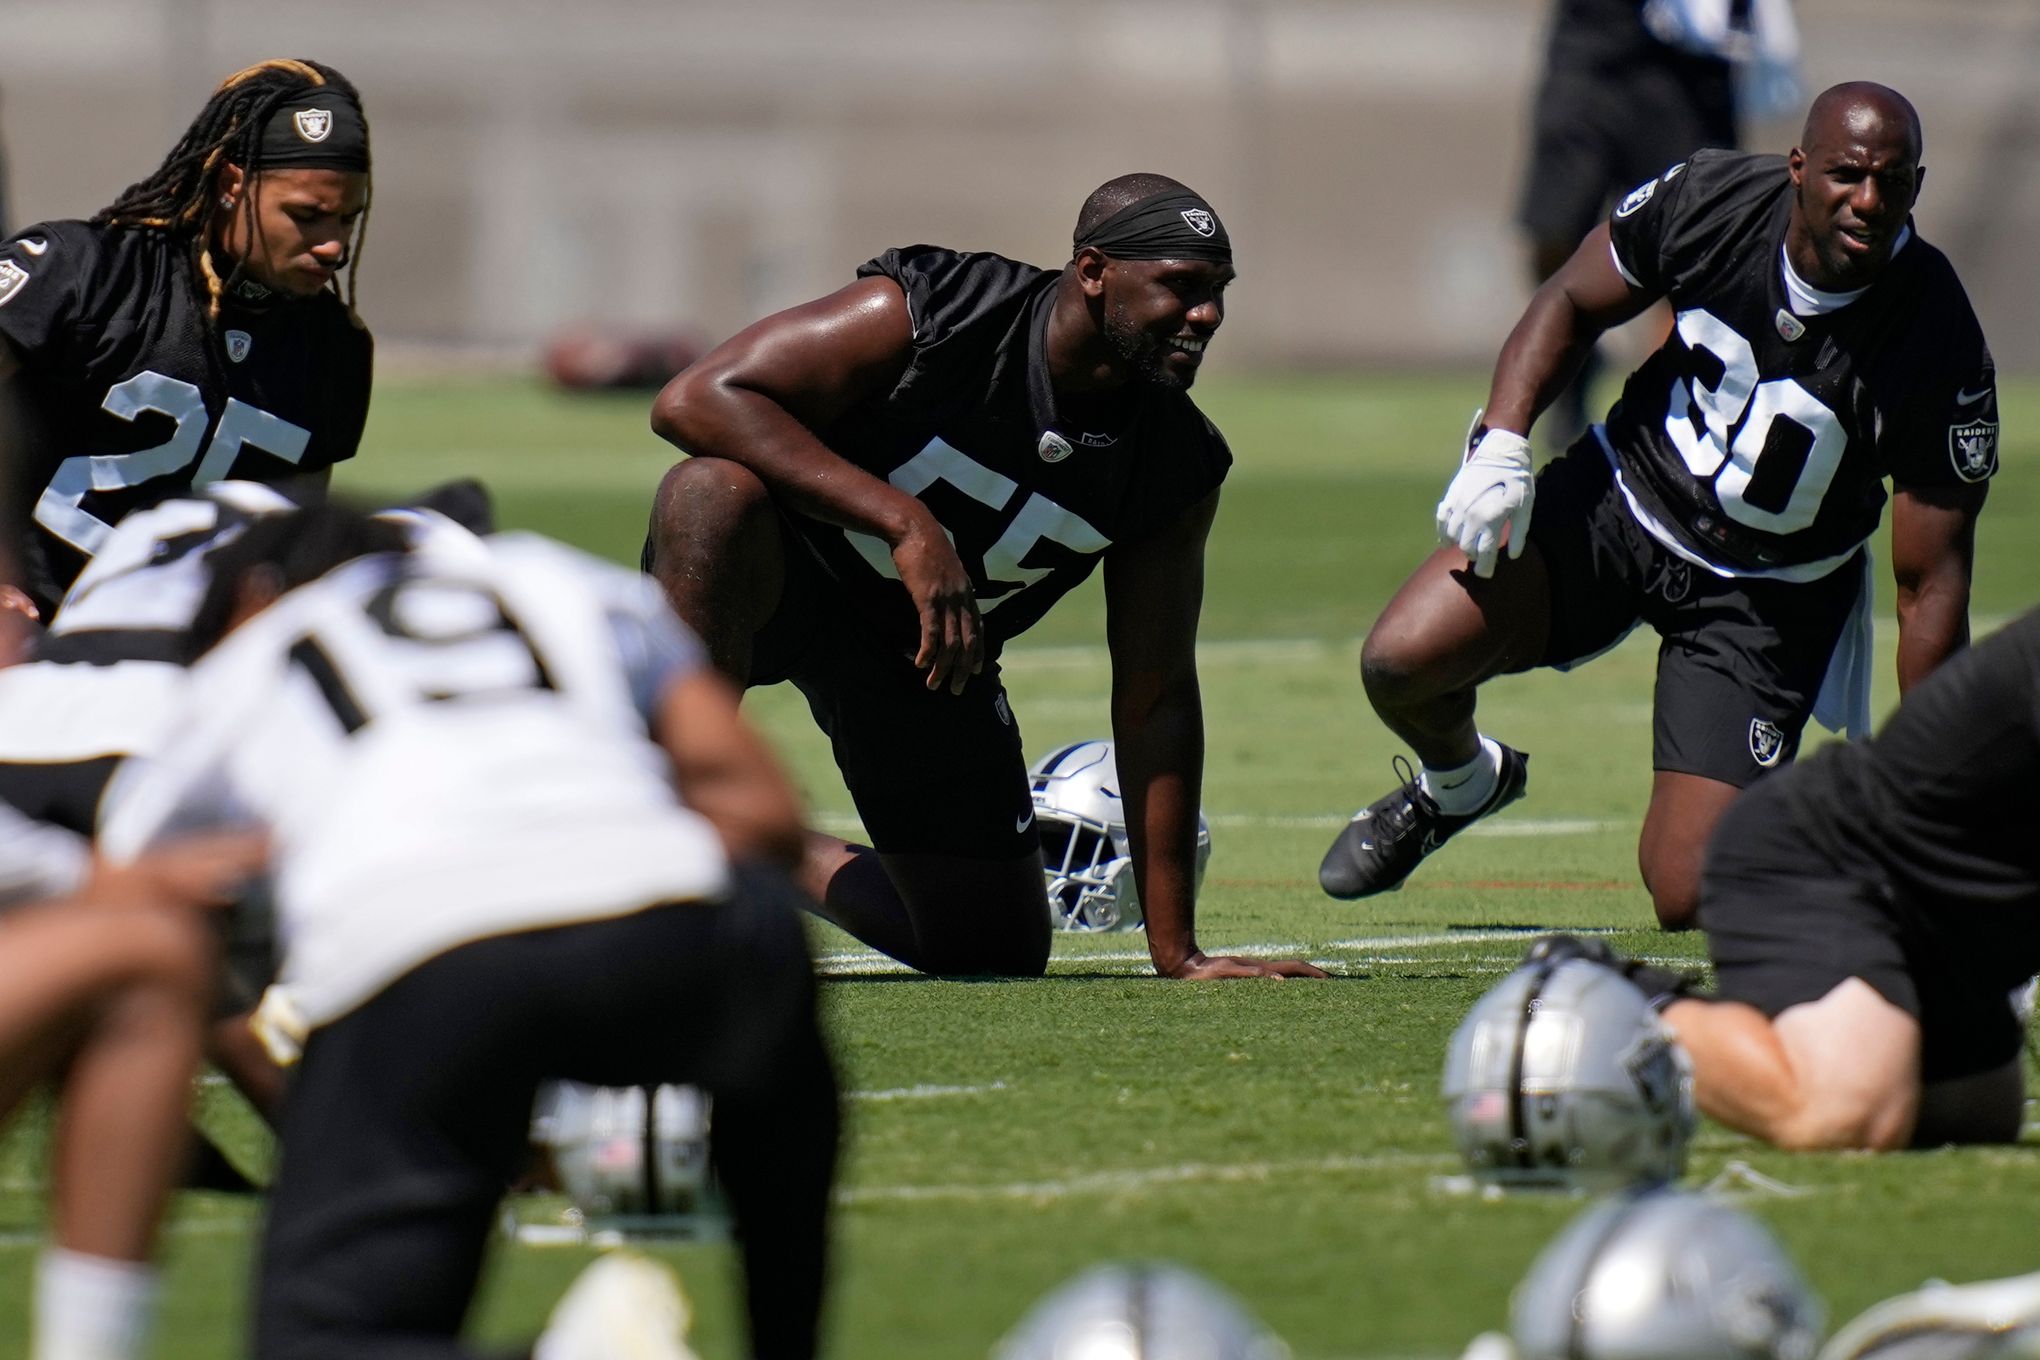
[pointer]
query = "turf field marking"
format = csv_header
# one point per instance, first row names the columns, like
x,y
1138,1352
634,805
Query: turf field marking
x,y
852,962
1115,1182
839,822
925,1092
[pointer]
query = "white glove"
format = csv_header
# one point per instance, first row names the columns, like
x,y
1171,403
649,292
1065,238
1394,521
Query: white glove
x,y
1492,491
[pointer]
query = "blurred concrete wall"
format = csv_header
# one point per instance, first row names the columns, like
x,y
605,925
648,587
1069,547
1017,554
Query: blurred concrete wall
x,y
660,161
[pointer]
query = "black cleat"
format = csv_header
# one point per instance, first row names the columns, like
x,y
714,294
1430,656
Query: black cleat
x,y
1386,840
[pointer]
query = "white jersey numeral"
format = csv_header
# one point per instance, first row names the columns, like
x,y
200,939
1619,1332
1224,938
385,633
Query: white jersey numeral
x,y
1719,451
1038,520
60,508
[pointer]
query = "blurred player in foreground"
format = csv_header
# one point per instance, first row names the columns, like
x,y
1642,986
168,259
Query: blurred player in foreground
x,y
891,482
105,981
1869,913
193,330
485,880
1821,346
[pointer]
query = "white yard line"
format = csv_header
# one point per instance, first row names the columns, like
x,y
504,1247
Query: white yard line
x,y
1117,1182
840,822
925,1092
850,962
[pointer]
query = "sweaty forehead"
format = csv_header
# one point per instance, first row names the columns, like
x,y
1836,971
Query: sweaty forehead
x,y
1864,131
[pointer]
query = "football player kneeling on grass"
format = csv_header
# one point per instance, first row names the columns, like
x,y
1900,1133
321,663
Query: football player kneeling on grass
x,y
1869,913
520,834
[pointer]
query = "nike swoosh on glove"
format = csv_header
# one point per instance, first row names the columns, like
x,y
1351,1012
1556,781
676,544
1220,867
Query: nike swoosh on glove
x,y
1491,492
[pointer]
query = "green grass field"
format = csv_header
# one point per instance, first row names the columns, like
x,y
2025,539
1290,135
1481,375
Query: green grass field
x,y
1285,1138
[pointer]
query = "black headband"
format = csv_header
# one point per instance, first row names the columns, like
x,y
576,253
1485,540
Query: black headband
x,y
321,129
1168,226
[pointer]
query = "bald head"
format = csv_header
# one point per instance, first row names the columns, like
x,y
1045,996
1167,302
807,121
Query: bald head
x,y
1861,113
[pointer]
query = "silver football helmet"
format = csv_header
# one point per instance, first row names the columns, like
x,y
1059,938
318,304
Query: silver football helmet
x,y
1994,1320
632,1158
1563,1076
1139,1312
1084,849
1662,1274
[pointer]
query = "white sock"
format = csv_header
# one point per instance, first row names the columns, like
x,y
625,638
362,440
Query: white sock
x,y
1465,789
91,1307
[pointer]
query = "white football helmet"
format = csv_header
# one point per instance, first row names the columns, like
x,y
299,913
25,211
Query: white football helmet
x,y
1139,1312
632,1158
1994,1320
1661,1274
1084,848
1563,1076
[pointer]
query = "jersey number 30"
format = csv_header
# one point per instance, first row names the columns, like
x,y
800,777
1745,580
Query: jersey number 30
x,y
1702,419
60,508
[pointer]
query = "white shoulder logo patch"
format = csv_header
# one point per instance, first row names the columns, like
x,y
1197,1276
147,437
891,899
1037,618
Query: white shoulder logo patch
x,y
13,278
1972,448
238,345
34,245
1638,196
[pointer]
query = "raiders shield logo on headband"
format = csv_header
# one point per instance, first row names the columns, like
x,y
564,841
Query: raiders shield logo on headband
x,y
314,125
1200,221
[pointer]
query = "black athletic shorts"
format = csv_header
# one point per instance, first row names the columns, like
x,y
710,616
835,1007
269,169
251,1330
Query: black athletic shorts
x,y
410,1115
1786,926
1597,136
1740,662
928,771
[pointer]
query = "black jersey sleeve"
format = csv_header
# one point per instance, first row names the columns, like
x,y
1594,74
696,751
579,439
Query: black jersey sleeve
x,y
350,355
48,279
1191,459
963,304
1640,227
1946,430
1675,232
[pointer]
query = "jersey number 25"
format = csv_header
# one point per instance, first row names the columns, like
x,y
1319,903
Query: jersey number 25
x,y
60,509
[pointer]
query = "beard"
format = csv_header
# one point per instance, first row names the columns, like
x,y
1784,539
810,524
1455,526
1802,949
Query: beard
x,y
1141,352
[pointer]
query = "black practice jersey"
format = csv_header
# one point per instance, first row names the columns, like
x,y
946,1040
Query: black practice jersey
x,y
130,393
1937,808
1760,437
971,429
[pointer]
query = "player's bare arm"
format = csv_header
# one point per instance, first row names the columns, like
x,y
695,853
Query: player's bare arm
x,y
756,400
1933,548
726,773
1569,312
1154,589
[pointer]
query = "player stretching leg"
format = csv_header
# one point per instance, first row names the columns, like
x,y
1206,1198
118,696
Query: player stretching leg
x,y
1820,347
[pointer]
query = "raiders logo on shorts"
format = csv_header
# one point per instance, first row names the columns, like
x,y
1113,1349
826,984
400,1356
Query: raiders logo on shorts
x,y
1767,742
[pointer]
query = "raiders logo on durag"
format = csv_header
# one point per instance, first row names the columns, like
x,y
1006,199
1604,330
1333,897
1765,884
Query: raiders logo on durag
x,y
1200,221
1767,742
314,125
